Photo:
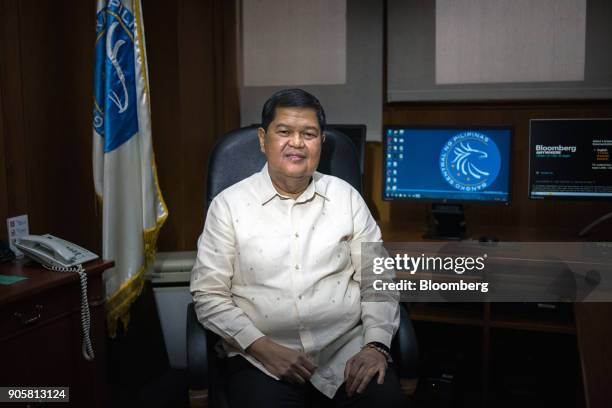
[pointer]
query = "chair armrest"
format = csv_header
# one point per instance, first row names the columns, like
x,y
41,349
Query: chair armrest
x,y
404,348
197,352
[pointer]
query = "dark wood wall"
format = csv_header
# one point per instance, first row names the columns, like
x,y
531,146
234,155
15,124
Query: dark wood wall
x,y
46,61
3,192
44,110
193,63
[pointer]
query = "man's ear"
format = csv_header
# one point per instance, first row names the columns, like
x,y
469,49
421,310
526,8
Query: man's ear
x,y
322,137
261,134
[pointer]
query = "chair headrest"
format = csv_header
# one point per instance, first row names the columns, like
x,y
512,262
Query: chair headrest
x,y
237,156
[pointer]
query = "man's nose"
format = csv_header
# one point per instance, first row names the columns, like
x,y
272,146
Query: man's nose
x,y
296,140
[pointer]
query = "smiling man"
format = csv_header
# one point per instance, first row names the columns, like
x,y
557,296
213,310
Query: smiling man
x,y
277,276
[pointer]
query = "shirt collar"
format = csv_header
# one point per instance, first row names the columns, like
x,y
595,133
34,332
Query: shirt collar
x,y
267,191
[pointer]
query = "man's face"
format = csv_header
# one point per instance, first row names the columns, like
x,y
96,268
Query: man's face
x,y
292,143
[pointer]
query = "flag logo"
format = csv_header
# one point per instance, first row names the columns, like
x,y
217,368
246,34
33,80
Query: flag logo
x,y
114,80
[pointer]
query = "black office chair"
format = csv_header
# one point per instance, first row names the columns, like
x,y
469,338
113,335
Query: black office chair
x,y
235,157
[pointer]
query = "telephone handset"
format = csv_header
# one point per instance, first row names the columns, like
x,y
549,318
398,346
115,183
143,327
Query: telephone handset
x,y
54,252
62,256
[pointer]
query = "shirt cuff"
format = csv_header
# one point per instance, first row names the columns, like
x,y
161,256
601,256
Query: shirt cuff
x,y
378,335
247,336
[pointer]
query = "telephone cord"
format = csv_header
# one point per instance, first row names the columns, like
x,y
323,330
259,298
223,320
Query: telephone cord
x,y
87,348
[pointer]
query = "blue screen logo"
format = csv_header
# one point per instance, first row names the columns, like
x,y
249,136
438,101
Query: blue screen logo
x,y
470,161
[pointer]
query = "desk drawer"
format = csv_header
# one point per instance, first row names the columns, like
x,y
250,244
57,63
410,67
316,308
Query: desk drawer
x,y
38,310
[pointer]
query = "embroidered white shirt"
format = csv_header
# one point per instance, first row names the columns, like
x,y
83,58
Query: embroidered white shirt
x,y
289,269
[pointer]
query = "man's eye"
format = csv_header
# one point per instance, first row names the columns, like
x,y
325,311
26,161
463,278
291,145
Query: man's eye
x,y
310,135
283,132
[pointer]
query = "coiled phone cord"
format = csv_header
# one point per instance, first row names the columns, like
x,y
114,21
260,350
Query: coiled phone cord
x,y
87,348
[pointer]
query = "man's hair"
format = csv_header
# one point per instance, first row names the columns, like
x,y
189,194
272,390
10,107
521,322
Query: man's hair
x,y
291,98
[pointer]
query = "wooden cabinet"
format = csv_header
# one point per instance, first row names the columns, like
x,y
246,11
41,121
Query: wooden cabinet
x,y
41,335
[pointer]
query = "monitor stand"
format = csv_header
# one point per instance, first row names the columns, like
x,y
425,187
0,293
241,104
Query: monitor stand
x,y
446,221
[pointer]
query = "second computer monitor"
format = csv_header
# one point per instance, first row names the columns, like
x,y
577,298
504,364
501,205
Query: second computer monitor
x,y
570,158
447,164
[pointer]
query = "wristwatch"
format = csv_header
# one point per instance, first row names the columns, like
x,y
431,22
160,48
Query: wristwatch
x,y
381,348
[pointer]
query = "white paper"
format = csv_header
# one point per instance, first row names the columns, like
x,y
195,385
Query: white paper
x,y
17,227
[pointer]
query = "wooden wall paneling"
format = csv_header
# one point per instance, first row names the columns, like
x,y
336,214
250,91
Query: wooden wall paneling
x,y
3,191
198,107
78,133
522,210
208,94
12,98
161,32
194,91
57,97
226,66
76,126
231,65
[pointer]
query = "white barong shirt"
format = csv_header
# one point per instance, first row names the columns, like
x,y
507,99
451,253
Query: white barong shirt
x,y
289,269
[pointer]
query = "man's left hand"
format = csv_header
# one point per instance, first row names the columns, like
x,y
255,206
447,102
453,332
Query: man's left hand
x,y
361,368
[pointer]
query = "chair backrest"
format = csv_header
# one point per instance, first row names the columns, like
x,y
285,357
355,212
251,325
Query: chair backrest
x,y
236,156
357,134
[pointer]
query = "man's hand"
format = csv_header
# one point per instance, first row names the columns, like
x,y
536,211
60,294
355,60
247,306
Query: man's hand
x,y
287,364
361,368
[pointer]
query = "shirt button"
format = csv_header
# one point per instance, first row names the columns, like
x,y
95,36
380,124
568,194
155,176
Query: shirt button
x,y
300,297
297,235
297,267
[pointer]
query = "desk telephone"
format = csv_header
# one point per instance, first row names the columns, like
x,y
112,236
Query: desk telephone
x,y
62,256
54,252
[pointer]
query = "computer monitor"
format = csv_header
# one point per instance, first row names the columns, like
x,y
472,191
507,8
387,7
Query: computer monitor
x,y
447,163
570,159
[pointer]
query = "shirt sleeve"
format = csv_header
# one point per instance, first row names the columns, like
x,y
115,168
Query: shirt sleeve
x,y
211,280
380,318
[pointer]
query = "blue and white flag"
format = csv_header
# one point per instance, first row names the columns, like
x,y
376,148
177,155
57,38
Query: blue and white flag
x,y
125,177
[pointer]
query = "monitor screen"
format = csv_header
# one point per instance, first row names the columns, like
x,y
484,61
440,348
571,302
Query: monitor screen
x,y
447,164
570,158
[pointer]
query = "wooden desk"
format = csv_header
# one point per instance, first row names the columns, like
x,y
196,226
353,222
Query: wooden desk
x,y
398,232
591,323
41,336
